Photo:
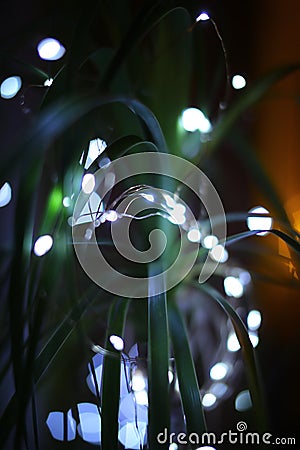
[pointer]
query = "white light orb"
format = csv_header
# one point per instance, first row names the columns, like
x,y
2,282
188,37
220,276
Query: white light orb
x,y
233,287
88,183
243,401
219,253
50,49
117,342
238,82
233,344
5,194
66,202
218,371
219,389
254,339
42,245
138,381
202,17
194,235
10,87
208,400
254,320
48,82
193,119
141,397
259,223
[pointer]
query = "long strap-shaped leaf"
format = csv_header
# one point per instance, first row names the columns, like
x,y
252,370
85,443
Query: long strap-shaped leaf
x,y
188,384
158,356
110,389
248,353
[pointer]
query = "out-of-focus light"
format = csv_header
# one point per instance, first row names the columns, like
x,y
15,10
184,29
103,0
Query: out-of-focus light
x,y
259,223
170,201
219,389
141,397
238,82
243,401
10,87
245,277
66,202
117,342
202,17
206,447
96,147
173,446
111,216
233,344
48,82
254,320
88,183
42,245
5,194
218,371
89,427
233,287
254,338
50,49
138,381
210,241
208,400
219,253
56,424
193,119
194,235
133,435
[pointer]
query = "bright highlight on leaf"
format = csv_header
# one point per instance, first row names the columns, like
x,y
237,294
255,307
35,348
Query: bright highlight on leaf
x,y
238,82
194,119
5,194
233,287
42,245
208,400
10,87
50,49
259,223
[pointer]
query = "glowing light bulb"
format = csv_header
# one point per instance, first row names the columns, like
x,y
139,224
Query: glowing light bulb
x,y
210,241
10,87
208,400
218,371
50,49
233,287
117,342
254,320
238,82
5,194
233,344
202,17
259,223
42,245
193,119
88,183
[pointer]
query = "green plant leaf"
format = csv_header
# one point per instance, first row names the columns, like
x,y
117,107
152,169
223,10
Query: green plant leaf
x,y
110,389
248,353
188,384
